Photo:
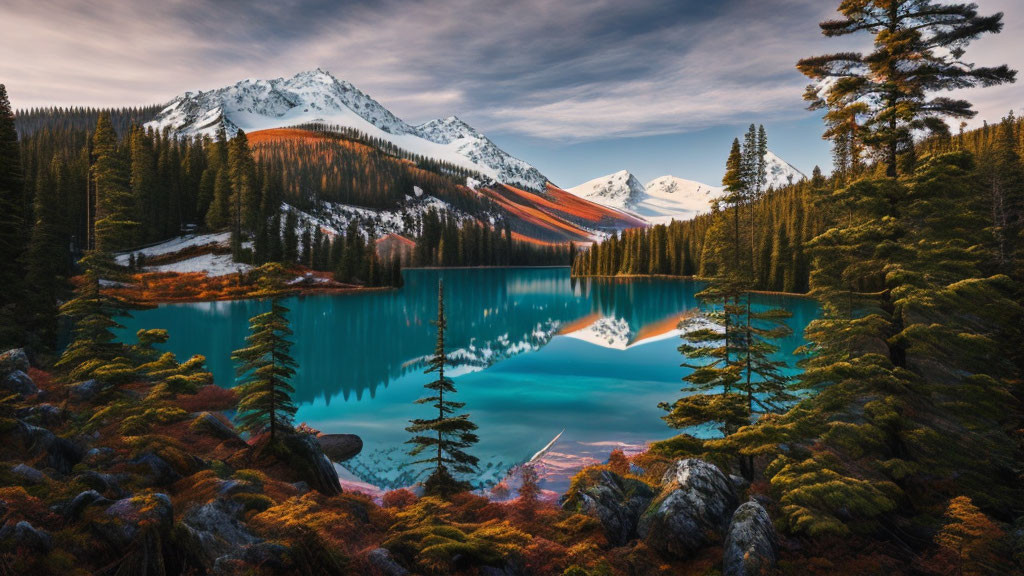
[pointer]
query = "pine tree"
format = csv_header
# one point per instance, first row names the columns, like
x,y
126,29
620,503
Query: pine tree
x,y
94,352
919,49
47,261
219,214
246,195
12,222
291,238
143,182
265,366
712,350
115,221
447,436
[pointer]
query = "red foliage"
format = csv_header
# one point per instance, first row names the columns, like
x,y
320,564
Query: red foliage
x,y
618,463
398,498
42,379
209,398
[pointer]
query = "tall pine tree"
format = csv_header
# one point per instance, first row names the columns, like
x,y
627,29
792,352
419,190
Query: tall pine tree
x,y
443,440
918,50
265,365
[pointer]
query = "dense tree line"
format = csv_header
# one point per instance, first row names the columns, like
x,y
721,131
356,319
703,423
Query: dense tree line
x,y
390,148
916,358
350,168
443,240
786,220
80,118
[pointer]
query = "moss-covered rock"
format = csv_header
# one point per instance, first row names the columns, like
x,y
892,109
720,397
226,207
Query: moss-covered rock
x,y
751,545
616,501
692,511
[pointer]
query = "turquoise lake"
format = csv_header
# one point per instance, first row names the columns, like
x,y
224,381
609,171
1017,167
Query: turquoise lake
x,y
535,355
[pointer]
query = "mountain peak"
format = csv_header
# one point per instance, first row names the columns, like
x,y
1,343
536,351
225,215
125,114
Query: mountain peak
x,y
620,190
316,96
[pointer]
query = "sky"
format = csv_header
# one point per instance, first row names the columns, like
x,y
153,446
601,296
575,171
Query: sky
x,y
578,88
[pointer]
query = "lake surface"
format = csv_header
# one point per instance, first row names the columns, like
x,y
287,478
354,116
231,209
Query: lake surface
x,y
535,355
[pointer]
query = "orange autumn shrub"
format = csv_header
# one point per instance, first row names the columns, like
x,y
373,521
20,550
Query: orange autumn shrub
x,y
209,398
398,498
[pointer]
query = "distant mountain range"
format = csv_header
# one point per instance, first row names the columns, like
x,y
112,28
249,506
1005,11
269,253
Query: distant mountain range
x,y
669,198
317,97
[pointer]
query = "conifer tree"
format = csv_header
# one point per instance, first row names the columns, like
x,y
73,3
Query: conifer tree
x,y
47,261
291,238
12,224
265,365
443,440
918,50
115,221
94,351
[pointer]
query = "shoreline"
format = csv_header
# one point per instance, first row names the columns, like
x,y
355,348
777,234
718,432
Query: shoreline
x,y
692,279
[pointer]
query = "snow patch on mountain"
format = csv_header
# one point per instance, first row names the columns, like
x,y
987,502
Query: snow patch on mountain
x,y
781,173
659,201
671,198
620,190
318,97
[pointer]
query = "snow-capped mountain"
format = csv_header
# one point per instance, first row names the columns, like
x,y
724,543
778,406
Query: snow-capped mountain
x,y
671,198
659,201
620,190
317,96
781,173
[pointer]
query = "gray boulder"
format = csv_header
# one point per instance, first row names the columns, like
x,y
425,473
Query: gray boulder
x,y
692,511
155,469
28,474
18,382
381,559
33,442
85,391
24,535
41,415
217,530
340,447
125,519
751,547
307,459
14,359
617,503
210,424
73,508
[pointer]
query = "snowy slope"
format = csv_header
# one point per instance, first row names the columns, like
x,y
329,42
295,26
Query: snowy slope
x,y
620,190
670,198
781,173
317,96
660,201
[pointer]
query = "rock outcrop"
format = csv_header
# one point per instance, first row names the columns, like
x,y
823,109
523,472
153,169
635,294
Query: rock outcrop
x,y
217,530
381,559
751,547
28,474
615,501
210,424
14,359
340,447
85,391
692,511
40,445
18,382
307,459
24,535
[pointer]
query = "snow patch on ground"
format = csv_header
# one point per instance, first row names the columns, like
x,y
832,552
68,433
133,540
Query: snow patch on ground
x,y
212,264
176,245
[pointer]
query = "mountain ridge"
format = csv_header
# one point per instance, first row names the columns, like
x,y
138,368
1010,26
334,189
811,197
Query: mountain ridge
x,y
316,96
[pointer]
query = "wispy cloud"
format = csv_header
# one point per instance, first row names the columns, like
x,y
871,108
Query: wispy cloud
x,y
569,70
